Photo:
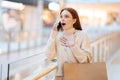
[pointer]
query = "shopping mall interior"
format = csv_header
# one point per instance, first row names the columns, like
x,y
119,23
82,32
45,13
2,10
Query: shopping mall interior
x,y
25,27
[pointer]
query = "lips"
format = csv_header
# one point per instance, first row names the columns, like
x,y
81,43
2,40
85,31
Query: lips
x,y
63,24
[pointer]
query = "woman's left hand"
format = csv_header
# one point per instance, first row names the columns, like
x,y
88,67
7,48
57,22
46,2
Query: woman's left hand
x,y
68,41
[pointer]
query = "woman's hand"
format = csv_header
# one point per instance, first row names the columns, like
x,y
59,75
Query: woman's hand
x,y
55,26
68,41
54,30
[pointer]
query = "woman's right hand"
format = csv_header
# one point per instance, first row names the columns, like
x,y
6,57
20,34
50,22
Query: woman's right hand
x,y
54,30
55,26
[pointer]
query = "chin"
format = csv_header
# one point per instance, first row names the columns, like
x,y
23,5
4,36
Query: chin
x,y
65,29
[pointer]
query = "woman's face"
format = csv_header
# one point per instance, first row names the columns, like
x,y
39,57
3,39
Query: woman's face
x,y
67,20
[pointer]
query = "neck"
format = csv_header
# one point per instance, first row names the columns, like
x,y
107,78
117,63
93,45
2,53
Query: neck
x,y
70,31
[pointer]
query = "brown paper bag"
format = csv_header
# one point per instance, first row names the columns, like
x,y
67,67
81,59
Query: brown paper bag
x,y
88,71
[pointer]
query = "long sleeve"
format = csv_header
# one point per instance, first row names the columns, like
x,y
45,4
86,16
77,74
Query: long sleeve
x,y
51,46
82,51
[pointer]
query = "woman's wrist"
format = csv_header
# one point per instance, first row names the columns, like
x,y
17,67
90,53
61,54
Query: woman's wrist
x,y
54,33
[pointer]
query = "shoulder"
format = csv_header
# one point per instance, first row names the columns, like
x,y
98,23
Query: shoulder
x,y
81,33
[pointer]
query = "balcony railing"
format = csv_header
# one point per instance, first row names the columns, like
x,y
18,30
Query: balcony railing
x,y
103,48
35,67
18,70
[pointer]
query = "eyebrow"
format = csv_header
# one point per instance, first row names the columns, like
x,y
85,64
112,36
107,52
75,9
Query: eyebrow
x,y
65,15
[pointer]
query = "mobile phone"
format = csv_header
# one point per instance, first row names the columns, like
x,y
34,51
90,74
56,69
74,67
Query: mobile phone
x,y
59,27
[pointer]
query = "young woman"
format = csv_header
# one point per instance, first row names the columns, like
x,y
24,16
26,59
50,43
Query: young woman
x,y
67,41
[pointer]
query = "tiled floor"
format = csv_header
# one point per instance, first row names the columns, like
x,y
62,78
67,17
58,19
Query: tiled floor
x,y
113,67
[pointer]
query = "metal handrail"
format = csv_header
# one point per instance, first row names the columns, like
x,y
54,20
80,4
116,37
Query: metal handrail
x,y
104,47
47,71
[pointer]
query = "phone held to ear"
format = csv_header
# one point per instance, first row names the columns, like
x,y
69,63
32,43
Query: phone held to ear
x,y
59,26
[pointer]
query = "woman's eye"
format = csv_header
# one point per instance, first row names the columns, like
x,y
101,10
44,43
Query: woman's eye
x,y
60,16
66,16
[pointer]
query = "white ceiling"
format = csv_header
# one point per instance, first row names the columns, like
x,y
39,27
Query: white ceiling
x,y
110,7
91,1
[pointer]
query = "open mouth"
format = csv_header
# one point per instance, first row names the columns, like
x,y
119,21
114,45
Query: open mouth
x,y
63,24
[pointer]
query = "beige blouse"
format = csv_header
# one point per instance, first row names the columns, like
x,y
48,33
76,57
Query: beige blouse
x,y
80,51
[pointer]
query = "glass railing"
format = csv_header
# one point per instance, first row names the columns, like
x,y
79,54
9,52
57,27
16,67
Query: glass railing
x,y
47,73
35,67
23,68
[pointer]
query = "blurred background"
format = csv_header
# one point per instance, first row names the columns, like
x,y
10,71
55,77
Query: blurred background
x,y
25,27
26,23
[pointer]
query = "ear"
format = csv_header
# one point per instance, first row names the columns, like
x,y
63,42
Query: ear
x,y
74,20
